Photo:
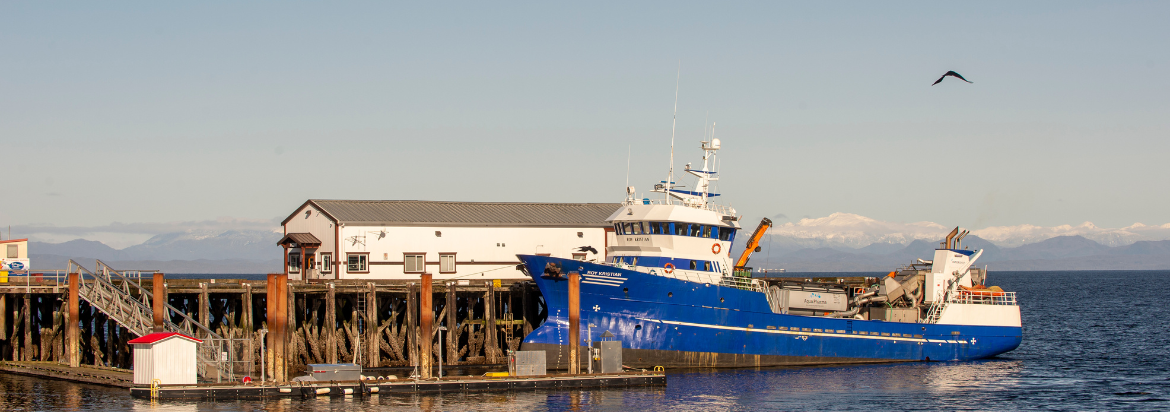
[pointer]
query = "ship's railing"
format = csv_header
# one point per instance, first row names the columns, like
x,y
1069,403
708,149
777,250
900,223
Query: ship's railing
x,y
717,208
740,282
985,298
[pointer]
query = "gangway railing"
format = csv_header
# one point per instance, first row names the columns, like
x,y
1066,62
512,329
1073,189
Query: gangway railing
x,y
136,314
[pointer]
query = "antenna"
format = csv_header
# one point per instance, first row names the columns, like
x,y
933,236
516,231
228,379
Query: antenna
x,y
628,152
673,123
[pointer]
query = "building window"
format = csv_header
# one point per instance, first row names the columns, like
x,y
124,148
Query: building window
x,y
358,262
294,262
579,256
13,251
446,263
326,263
414,263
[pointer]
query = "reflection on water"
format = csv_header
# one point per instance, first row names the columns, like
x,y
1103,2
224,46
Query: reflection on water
x,y
1085,348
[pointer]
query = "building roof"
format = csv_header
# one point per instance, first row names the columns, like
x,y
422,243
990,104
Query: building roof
x,y
161,336
437,213
306,239
14,240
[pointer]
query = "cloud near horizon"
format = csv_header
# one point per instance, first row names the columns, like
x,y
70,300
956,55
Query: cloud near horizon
x,y
857,231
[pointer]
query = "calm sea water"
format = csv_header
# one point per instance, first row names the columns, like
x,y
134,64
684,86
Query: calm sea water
x,y
1092,341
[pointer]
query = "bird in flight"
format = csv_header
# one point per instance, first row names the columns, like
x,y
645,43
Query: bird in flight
x,y
951,73
587,249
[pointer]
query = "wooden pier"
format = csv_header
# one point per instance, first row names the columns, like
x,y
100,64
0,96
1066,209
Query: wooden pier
x,y
274,324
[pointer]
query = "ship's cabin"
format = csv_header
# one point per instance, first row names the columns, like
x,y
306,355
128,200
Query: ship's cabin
x,y
675,228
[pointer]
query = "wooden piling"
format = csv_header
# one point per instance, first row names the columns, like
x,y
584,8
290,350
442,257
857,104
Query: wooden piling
x,y
4,317
373,350
282,328
411,324
574,322
204,304
491,348
159,302
452,334
330,329
426,317
269,321
28,353
73,333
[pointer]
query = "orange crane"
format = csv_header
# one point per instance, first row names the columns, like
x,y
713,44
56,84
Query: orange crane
x,y
753,245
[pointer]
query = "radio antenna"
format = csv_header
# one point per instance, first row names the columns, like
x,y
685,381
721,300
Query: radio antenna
x,y
673,123
629,151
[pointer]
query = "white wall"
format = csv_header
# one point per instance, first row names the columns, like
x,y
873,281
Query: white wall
x,y
488,250
171,361
320,226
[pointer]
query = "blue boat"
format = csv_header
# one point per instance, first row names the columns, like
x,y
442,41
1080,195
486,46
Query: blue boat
x,y
671,294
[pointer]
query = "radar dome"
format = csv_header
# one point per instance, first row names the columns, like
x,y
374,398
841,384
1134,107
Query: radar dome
x,y
714,143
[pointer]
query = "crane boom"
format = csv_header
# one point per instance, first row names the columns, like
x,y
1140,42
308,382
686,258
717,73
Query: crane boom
x,y
753,244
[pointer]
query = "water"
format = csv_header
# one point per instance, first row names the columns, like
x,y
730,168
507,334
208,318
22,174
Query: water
x,y
1092,341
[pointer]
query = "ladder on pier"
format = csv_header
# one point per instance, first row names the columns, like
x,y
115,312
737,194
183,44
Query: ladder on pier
x,y
125,301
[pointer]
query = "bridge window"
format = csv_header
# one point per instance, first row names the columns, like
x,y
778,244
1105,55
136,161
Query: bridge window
x,y
694,230
693,265
707,266
706,231
680,229
726,233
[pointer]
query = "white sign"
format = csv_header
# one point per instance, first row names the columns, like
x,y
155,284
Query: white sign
x,y
14,264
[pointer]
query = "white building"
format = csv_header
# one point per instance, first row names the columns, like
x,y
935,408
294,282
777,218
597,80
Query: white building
x,y
402,239
168,357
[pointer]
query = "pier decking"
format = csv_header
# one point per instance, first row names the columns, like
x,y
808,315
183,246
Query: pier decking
x,y
401,386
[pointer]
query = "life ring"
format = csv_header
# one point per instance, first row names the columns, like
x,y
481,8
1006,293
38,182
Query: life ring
x,y
668,268
716,248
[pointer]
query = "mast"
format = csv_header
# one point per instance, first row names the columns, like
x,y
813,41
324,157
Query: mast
x,y
673,122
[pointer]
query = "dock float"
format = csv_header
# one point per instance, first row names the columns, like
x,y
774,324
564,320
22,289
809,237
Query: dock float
x,y
99,375
398,386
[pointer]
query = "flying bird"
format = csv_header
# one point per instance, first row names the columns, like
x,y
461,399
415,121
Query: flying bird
x,y
951,73
587,249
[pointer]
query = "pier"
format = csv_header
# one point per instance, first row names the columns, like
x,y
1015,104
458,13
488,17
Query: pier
x,y
262,329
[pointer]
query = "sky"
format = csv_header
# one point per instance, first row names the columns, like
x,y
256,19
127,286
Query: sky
x,y
120,115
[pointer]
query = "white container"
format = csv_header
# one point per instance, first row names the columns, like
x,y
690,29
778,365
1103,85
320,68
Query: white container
x,y
168,357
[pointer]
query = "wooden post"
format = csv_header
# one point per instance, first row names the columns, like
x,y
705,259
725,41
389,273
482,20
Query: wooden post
x,y
247,328
247,320
283,309
73,333
411,323
574,322
373,349
330,328
491,349
452,334
159,303
524,309
288,327
204,302
4,316
426,318
27,352
269,318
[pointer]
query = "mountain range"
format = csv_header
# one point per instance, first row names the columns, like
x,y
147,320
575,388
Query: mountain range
x,y
1058,253
233,251
841,242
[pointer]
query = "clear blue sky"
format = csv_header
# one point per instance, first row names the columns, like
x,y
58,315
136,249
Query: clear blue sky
x,y
165,112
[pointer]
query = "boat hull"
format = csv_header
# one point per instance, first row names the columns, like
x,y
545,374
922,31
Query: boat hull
x,y
670,322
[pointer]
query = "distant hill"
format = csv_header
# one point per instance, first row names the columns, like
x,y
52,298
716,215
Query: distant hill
x,y
1058,253
182,252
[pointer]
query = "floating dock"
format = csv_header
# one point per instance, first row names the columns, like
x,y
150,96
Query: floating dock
x,y
400,386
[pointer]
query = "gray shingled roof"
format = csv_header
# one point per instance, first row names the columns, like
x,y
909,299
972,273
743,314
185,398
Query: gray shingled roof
x,y
420,212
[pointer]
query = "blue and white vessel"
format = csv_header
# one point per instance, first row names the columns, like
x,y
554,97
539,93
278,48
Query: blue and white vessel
x,y
669,292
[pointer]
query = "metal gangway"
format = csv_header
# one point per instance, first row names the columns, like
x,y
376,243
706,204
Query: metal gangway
x,y
118,295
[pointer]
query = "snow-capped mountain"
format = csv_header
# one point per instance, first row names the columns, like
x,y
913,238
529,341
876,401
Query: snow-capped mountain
x,y
852,231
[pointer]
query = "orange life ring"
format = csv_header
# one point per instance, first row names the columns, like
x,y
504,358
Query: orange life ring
x,y
668,268
716,248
